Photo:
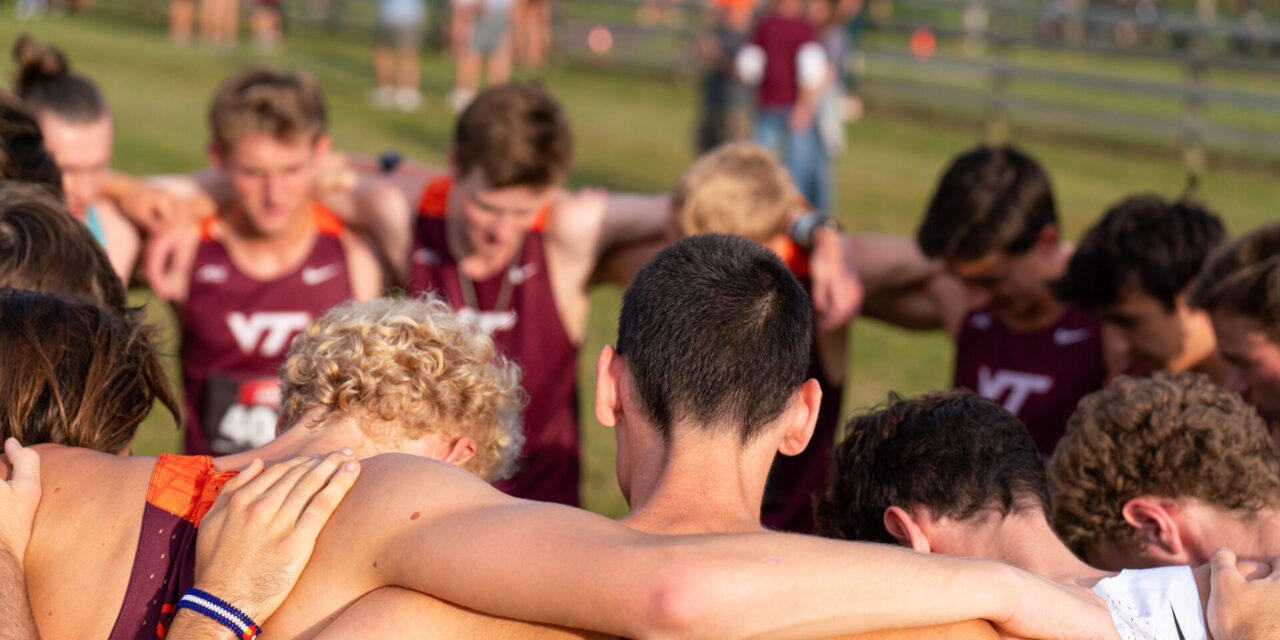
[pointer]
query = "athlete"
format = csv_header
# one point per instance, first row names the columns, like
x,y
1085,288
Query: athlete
x,y
955,473
707,384
1239,289
23,157
1163,471
426,526
1133,270
994,225
78,132
267,264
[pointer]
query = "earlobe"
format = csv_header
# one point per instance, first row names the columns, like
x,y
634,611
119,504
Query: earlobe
x,y
802,418
1157,528
903,528
607,391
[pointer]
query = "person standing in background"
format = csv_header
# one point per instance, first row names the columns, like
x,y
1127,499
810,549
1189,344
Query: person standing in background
x,y
724,98
396,46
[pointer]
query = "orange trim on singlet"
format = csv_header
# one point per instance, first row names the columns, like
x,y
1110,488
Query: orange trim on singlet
x,y
186,486
326,221
793,256
435,199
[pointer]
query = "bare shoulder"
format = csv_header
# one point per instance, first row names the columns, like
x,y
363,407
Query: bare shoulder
x,y
577,220
362,265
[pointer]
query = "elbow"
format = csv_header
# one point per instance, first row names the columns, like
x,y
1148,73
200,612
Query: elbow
x,y
679,606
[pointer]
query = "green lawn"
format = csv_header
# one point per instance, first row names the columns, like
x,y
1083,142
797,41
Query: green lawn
x,y
632,134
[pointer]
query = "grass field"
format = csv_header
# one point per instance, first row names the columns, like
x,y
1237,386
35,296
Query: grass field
x,y
632,134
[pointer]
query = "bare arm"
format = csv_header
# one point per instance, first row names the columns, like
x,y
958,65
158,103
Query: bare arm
x,y
122,240
558,565
362,265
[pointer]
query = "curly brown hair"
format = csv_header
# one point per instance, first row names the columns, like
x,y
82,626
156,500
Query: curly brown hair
x,y
415,363
1168,435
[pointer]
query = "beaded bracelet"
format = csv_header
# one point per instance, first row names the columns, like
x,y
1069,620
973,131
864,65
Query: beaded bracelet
x,y
221,612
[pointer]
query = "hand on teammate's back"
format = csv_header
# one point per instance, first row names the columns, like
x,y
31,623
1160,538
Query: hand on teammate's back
x,y
1242,609
163,261
1049,610
259,535
19,497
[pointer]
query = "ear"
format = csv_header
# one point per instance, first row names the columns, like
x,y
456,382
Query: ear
x,y
460,451
1048,237
322,147
217,155
905,530
608,394
801,418
1158,529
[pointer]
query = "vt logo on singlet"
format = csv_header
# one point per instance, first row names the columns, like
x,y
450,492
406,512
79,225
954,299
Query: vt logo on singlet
x,y
266,332
1011,388
489,322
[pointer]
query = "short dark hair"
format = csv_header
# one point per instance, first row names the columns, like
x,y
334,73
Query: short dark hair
x,y
1164,244
517,135
23,157
75,373
955,453
45,82
990,200
44,248
1243,277
715,330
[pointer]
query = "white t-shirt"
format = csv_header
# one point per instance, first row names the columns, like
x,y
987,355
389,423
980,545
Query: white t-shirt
x,y
1154,604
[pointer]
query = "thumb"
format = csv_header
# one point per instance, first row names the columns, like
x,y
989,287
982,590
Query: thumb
x,y
1222,569
26,465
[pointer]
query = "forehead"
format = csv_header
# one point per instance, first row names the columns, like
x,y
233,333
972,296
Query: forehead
x,y
264,149
1237,333
991,266
1133,302
476,188
76,141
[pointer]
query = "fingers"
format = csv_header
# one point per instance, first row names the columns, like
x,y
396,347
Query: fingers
x,y
327,500
248,473
1222,569
298,489
25,463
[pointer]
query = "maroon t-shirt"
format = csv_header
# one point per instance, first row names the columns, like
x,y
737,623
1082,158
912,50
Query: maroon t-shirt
x,y
236,332
1038,376
526,329
795,480
780,37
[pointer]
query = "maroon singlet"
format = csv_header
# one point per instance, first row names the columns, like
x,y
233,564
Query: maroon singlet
x,y
527,330
795,480
1040,375
236,333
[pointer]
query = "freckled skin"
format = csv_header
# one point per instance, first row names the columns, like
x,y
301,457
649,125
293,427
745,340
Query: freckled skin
x,y
415,515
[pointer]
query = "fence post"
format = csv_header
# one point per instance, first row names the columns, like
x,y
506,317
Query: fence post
x,y
1194,154
1000,41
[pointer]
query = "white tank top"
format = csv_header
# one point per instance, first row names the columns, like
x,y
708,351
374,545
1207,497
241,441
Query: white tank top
x,y
1154,604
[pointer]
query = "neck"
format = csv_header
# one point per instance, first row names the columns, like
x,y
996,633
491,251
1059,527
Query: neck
x,y
306,438
1253,537
1200,349
268,256
703,484
1047,309
1025,540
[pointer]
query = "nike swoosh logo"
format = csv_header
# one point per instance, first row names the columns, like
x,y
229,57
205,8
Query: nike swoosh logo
x,y
1064,337
314,276
1176,626
519,275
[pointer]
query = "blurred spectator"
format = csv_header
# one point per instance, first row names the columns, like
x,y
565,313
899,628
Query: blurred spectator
x,y
724,98
219,22
182,16
489,45
793,75
267,23
532,35
395,53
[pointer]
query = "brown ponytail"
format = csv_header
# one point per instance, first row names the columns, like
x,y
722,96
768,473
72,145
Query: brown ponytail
x,y
45,82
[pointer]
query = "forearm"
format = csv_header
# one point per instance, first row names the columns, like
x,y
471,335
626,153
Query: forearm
x,y
189,625
15,608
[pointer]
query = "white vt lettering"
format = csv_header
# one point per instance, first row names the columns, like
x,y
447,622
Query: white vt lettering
x,y
488,321
1017,384
272,329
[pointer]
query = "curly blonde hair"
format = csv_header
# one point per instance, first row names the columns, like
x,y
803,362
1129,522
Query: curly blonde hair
x,y
1168,435
414,363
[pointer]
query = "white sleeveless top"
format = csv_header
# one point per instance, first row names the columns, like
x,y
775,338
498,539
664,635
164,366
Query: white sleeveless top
x,y
1154,604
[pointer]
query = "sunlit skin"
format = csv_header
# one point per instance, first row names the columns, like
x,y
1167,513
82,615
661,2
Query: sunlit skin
x,y
1154,337
1016,288
487,226
273,182
83,152
1253,363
